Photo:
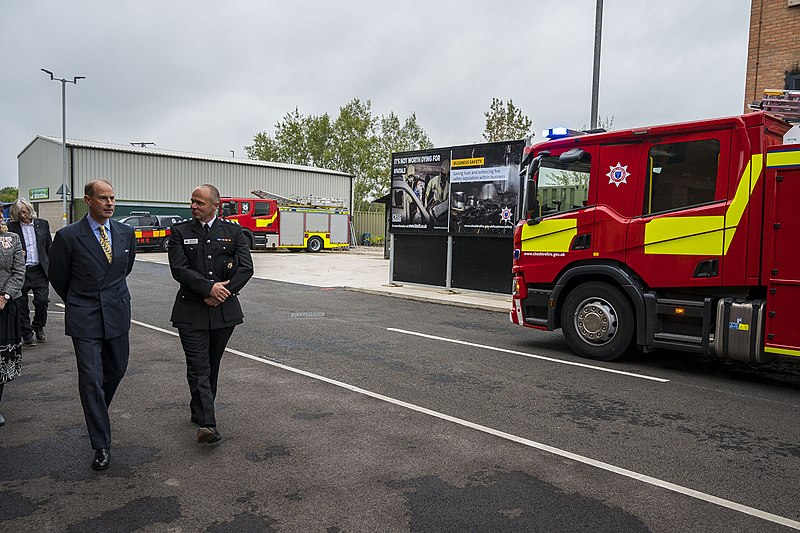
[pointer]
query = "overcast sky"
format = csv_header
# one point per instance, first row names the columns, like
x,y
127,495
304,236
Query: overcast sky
x,y
205,77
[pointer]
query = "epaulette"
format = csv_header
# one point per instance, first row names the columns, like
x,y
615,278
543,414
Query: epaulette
x,y
185,221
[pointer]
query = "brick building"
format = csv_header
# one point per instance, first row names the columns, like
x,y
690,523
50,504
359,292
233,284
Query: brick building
x,y
773,57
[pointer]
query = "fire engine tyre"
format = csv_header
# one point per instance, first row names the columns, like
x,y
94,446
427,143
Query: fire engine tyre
x,y
598,321
314,244
164,245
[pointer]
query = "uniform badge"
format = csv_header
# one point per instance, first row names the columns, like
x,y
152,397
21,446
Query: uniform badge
x,y
618,174
229,265
190,241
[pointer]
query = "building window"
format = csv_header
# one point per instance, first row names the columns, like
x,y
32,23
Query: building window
x,y
793,81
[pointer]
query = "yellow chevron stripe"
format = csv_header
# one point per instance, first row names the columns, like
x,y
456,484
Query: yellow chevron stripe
x,y
783,159
549,235
701,235
266,222
782,351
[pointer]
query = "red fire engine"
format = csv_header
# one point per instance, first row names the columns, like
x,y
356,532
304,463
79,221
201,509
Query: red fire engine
x,y
273,221
683,241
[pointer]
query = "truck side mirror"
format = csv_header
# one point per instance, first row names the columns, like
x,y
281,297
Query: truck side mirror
x,y
531,200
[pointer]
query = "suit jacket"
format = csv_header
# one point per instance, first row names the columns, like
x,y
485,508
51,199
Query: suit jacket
x,y
41,228
94,291
197,262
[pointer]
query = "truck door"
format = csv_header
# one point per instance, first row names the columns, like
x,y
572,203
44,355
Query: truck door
x,y
618,177
264,216
781,256
678,238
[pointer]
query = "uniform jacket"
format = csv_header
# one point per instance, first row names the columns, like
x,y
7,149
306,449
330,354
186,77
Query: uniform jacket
x,y
12,265
197,262
41,228
95,293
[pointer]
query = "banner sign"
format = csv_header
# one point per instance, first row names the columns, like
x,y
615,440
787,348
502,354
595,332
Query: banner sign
x,y
42,193
472,189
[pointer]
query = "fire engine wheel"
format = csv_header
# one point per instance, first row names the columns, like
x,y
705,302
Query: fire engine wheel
x,y
598,321
314,244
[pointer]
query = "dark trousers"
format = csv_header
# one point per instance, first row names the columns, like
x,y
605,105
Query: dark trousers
x,y
203,349
36,282
101,366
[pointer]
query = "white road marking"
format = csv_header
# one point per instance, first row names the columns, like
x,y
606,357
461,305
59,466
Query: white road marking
x,y
728,504
533,356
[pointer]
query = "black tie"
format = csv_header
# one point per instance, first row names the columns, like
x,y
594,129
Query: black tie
x,y
205,226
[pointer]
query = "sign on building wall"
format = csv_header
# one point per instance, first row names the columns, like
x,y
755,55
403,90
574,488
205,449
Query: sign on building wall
x,y
42,193
461,190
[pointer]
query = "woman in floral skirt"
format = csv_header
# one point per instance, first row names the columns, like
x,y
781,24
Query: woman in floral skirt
x,y
12,276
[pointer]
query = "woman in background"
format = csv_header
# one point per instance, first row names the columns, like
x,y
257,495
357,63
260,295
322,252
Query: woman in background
x,y
12,276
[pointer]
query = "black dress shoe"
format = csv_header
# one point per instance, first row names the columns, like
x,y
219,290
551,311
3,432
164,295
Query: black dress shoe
x,y
102,458
41,336
208,435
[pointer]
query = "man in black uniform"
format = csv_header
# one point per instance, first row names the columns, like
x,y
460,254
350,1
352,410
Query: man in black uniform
x,y
210,258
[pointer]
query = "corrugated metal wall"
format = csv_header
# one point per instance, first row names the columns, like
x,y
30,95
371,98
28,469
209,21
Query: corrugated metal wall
x,y
41,166
372,222
152,178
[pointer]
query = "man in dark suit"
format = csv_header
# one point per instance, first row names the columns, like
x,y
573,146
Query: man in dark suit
x,y
210,258
89,263
34,233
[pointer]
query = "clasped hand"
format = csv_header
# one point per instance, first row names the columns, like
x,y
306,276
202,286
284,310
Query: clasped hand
x,y
219,293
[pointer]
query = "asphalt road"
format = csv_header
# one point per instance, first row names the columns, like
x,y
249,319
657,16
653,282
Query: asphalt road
x,y
345,411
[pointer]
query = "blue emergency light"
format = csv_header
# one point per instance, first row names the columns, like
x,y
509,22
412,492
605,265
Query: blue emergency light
x,y
559,133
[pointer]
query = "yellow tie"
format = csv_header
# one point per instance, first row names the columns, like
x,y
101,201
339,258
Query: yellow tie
x,y
104,244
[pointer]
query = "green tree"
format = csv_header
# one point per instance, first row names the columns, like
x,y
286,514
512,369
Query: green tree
x,y
9,194
505,122
356,142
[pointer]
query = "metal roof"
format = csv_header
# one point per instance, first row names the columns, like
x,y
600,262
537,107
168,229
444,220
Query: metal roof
x,y
96,145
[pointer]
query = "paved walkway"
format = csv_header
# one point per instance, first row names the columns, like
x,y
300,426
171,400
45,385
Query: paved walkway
x,y
360,269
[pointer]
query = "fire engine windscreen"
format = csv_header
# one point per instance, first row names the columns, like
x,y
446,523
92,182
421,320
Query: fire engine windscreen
x,y
563,185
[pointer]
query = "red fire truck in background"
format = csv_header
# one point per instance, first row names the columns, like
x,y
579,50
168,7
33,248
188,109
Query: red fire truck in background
x,y
273,221
685,240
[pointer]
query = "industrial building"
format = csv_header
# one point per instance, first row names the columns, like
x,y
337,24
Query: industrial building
x,y
156,180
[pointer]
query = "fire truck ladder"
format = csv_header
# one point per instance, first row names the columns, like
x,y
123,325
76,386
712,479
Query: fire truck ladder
x,y
783,104
304,201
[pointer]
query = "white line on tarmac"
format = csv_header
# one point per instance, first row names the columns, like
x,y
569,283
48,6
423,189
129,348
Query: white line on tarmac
x,y
533,356
728,504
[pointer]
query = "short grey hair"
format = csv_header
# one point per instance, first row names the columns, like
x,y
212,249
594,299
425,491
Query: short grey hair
x,y
15,208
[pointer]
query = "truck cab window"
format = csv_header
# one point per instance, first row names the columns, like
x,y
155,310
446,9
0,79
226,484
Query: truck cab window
x,y
680,175
229,209
563,186
261,209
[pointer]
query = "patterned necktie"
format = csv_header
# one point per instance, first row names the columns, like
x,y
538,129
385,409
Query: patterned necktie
x,y
104,244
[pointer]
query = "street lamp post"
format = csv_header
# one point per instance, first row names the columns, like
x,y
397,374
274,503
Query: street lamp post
x,y
598,33
64,82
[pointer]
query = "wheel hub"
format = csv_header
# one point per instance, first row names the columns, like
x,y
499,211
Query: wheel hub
x,y
596,321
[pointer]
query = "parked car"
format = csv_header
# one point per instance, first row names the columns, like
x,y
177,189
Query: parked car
x,y
152,231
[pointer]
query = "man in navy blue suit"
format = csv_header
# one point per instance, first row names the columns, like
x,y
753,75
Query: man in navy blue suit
x,y
89,262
